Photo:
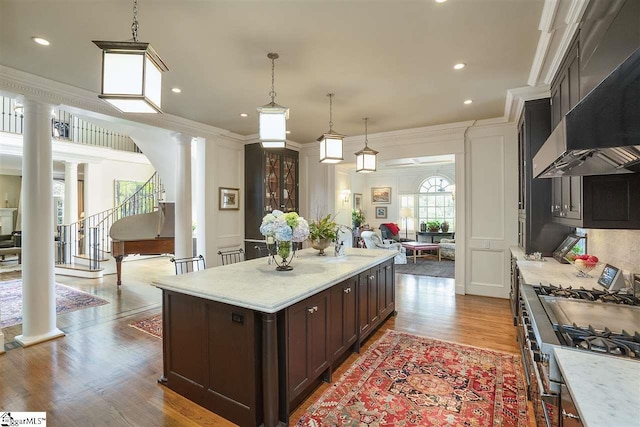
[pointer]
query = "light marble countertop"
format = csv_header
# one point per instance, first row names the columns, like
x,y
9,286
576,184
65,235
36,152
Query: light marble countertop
x,y
605,389
554,273
517,252
258,286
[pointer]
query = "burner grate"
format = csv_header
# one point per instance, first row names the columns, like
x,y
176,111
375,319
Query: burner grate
x,y
590,295
623,344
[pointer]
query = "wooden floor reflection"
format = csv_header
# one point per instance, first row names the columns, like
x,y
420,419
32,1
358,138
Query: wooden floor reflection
x,y
103,372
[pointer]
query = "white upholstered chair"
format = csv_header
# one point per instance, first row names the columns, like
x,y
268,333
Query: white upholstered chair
x,y
373,241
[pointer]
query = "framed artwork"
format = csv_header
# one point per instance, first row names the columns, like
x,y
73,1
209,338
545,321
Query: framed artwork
x,y
357,201
381,212
381,195
229,199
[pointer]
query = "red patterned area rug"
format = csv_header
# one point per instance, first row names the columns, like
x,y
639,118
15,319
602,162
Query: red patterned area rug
x,y
67,300
151,325
405,380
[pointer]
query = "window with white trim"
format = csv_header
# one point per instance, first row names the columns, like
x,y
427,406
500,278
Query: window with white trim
x,y
436,201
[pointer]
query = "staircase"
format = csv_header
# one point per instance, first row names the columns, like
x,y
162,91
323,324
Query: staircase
x,y
83,248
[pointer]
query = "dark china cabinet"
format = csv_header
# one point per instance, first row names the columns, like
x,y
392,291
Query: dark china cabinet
x,y
536,231
271,179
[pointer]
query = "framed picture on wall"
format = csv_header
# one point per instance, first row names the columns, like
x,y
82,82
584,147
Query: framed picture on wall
x,y
357,201
229,199
381,212
381,195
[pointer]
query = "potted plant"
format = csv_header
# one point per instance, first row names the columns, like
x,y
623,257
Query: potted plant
x,y
357,217
321,232
433,226
444,226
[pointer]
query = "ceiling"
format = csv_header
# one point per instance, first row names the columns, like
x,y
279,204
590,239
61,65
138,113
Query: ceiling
x,y
390,60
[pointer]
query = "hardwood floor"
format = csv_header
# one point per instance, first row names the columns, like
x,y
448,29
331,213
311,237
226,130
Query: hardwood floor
x,y
103,372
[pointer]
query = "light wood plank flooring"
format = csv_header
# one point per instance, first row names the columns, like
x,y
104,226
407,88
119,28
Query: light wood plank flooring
x,y
103,372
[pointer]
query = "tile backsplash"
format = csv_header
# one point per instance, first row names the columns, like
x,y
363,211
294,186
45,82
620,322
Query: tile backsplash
x,y
617,247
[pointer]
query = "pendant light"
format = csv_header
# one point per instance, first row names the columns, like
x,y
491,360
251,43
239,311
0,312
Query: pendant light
x,y
273,117
366,158
131,73
330,142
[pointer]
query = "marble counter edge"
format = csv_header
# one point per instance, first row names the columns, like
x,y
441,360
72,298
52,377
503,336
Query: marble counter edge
x,y
579,378
289,302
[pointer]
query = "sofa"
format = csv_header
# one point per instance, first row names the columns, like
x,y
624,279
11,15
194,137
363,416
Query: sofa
x,y
373,241
447,249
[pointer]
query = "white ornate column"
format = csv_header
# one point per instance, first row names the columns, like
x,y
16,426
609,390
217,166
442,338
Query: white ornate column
x,y
70,192
38,280
183,216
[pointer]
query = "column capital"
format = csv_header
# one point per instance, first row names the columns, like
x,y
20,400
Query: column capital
x,y
36,105
182,138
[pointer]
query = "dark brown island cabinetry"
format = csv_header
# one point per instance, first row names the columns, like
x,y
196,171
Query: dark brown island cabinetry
x,y
271,180
253,367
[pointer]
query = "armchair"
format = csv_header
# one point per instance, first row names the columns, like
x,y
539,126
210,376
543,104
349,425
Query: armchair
x,y
387,234
373,241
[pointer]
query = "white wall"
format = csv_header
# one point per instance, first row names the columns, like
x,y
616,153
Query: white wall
x,y
491,154
220,163
99,189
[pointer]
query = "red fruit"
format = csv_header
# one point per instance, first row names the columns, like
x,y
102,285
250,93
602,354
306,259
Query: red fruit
x,y
590,263
584,257
593,258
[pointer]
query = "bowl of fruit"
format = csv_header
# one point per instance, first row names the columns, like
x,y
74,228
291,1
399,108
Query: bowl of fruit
x,y
583,263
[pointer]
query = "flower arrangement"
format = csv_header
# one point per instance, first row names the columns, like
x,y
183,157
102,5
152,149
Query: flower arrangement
x,y
433,226
284,228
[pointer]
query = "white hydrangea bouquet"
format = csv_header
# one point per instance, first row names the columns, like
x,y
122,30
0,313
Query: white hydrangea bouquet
x,y
282,229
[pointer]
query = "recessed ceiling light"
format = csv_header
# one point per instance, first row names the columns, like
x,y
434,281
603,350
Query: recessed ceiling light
x,y
459,66
468,101
41,41
440,1
244,115
288,132
176,90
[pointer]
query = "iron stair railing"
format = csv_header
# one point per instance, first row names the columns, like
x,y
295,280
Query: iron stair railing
x,y
89,237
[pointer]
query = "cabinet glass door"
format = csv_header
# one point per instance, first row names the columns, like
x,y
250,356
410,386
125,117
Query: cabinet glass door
x,y
289,193
272,182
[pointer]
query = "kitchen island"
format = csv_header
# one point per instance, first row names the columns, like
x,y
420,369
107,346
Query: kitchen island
x,y
250,343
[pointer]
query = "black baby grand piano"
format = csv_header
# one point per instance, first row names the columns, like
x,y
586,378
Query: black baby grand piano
x,y
144,234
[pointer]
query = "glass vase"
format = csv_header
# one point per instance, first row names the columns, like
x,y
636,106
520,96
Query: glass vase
x,y
284,255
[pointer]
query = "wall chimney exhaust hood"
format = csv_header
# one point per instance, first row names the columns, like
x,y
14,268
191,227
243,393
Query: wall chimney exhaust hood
x,y
601,134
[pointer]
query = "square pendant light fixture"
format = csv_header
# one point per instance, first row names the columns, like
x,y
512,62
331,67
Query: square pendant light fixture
x,y
366,158
131,73
273,117
331,142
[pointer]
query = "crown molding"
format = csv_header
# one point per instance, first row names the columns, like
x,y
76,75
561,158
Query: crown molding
x,y
544,44
20,83
548,17
516,98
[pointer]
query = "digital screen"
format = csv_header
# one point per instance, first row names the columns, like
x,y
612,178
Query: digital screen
x,y
607,276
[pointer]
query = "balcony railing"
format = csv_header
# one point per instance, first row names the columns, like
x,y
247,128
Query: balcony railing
x,y
66,127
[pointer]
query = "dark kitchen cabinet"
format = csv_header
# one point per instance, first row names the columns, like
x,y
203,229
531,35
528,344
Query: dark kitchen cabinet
x,y
343,317
536,230
565,87
376,297
601,201
308,343
567,198
271,178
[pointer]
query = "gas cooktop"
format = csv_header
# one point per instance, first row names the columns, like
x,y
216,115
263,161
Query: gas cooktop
x,y
588,294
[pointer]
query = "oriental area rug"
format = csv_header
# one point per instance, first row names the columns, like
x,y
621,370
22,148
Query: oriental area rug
x,y
67,300
429,266
405,380
150,325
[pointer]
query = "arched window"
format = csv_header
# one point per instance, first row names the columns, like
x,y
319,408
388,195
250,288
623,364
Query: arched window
x,y
436,201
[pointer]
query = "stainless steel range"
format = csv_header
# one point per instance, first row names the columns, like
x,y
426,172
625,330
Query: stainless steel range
x,y
590,320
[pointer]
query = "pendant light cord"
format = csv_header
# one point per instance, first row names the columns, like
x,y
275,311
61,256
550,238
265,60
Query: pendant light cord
x,y
273,80
135,25
330,95
365,132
